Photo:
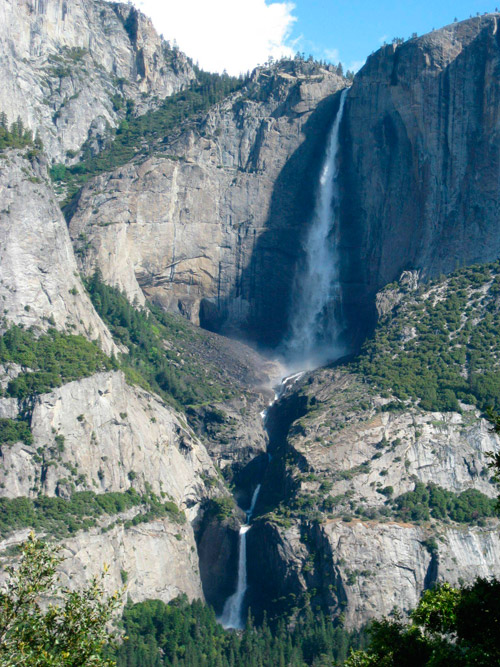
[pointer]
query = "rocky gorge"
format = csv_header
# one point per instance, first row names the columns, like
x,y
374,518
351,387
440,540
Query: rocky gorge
x,y
143,329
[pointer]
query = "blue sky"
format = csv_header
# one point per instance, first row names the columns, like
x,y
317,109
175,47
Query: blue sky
x,y
354,28
239,34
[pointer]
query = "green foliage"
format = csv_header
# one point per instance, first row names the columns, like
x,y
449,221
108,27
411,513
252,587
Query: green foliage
x,y
188,635
53,359
61,517
156,343
454,352
220,508
426,501
458,627
71,633
14,430
16,136
138,135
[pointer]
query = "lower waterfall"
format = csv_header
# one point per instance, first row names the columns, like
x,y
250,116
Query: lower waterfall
x,y
232,614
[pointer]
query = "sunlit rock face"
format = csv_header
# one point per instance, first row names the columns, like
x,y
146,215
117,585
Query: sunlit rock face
x,y
65,65
39,280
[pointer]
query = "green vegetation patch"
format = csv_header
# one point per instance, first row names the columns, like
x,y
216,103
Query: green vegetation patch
x,y
138,135
14,430
423,503
186,634
443,345
53,358
162,355
220,508
15,136
426,501
159,357
60,517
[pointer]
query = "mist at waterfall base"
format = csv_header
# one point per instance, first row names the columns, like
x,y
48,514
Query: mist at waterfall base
x,y
317,320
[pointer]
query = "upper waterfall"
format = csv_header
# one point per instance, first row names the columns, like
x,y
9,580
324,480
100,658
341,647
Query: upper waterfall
x,y
316,321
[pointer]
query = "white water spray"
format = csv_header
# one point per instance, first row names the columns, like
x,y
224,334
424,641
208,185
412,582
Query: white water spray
x,y
232,614
253,503
317,320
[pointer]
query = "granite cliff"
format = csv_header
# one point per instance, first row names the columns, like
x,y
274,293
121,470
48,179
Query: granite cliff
x,y
68,67
199,227
420,160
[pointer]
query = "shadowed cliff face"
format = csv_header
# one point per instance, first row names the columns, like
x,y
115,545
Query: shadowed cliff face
x,y
267,280
420,161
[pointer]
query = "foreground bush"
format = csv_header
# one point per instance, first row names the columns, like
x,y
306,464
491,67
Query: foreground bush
x,y
68,633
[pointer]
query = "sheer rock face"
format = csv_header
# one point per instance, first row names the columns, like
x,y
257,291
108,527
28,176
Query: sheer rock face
x,y
39,280
363,569
212,227
158,560
421,160
101,434
114,437
62,62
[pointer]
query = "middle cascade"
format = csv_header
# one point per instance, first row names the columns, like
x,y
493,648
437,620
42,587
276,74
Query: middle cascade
x,y
316,322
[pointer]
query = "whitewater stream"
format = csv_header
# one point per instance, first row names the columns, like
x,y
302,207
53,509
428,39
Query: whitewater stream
x,y
232,614
315,327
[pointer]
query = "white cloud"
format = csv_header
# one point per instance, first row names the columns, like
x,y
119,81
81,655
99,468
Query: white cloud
x,y
356,65
235,35
332,55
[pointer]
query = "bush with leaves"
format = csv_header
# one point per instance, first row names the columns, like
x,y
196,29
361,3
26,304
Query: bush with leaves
x,y
68,633
459,627
426,501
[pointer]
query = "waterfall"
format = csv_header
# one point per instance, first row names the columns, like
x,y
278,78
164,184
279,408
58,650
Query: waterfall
x,y
316,323
315,326
232,614
253,502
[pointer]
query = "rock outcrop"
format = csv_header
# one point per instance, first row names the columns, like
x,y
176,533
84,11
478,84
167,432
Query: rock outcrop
x,y
102,434
39,280
152,560
420,161
365,569
212,227
332,528
68,67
